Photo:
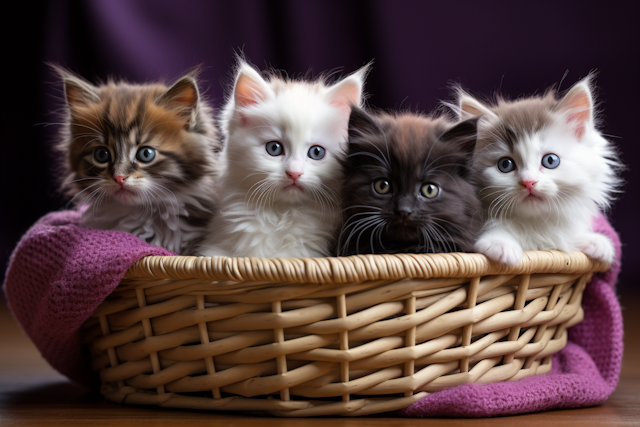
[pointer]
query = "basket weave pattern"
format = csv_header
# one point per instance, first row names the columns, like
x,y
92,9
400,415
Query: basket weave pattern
x,y
330,336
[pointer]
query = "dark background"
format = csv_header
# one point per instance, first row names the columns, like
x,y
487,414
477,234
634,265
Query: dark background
x,y
420,48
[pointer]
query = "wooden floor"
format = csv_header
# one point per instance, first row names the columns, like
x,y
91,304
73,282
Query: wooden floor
x,y
32,393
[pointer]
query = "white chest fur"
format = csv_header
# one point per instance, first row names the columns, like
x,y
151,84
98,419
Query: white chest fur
x,y
291,231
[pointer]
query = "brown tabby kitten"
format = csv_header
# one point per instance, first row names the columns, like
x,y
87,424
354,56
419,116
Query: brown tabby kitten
x,y
408,188
140,158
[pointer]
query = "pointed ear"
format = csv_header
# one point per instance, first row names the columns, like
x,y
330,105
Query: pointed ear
x,y
471,107
577,105
182,96
348,91
464,135
250,87
78,92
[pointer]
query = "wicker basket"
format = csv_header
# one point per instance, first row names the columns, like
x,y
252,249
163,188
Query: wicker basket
x,y
330,336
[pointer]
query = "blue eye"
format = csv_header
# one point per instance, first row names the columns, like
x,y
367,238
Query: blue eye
x,y
316,152
550,161
274,148
101,155
506,164
146,154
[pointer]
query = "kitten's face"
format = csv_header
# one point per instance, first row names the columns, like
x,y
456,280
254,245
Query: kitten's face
x,y
525,173
534,159
286,149
286,138
407,189
134,144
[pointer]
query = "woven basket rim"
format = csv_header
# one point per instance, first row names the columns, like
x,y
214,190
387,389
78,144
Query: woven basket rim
x,y
357,268
302,326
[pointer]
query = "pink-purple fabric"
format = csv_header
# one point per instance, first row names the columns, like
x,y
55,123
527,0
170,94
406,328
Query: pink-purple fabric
x,y
584,373
60,272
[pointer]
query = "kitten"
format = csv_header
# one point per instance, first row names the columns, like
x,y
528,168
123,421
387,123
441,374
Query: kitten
x,y
545,170
140,158
408,188
284,141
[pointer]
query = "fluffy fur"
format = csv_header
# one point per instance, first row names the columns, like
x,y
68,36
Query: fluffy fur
x,y
278,201
140,158
408,187
557,171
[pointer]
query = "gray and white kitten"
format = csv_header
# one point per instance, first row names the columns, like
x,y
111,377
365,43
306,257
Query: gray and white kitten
x,y
545,172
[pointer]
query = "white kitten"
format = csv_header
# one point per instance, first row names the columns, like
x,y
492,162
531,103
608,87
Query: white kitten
x,y
544,171
280,190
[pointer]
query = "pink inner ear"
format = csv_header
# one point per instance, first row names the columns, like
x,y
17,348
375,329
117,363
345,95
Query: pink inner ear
x,y
247,91
344,94
187,96
580,120
579,113
342,104
345,111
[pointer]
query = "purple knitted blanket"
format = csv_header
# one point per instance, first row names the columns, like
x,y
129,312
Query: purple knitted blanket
x,y
60,272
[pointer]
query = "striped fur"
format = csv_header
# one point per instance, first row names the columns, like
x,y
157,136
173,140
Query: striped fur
x,y
165,201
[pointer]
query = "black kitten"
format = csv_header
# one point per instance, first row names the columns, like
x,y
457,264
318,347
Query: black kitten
x,y
408,188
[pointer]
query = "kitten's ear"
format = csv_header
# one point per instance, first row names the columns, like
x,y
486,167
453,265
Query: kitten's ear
x,y
469,107
577,105
348,91
250,87
78,92
183,96
464,135
361,124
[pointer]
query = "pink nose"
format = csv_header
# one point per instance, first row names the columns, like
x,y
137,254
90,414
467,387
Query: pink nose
x,y
529,184
120,179
294,175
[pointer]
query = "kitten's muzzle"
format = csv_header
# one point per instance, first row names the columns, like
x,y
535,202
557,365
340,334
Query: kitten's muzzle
x,y
294,175
528,185
120,179
403,213
403,230
403,210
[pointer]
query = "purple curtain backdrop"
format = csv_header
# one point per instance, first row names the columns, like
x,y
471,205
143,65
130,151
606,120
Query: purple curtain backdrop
x,y
419,48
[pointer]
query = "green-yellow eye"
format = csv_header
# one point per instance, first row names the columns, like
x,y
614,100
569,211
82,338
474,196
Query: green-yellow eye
x,y
430,191
382,186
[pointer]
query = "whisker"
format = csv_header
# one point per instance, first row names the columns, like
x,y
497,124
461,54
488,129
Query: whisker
x,y
69,202
362,206
359,225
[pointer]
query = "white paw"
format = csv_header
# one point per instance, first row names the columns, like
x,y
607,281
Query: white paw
x,y
501,250
597,246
